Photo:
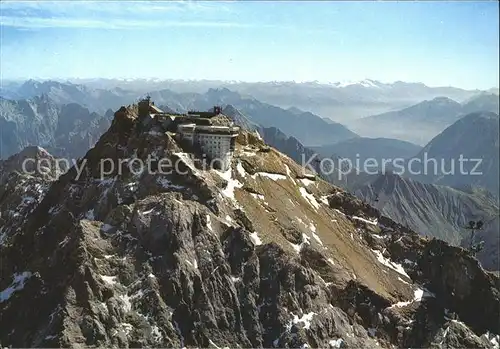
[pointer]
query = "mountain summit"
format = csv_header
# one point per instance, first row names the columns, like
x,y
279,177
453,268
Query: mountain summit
x,y
474,138
263,255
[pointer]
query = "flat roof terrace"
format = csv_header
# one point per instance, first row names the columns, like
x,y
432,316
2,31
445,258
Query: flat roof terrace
x,y
222,130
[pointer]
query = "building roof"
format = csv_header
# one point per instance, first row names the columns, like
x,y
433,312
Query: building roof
x,y
208,129
155,110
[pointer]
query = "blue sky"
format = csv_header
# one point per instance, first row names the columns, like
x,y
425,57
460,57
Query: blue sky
x,y
438,43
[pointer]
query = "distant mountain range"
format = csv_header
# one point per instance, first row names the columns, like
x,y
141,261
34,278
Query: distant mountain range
x,y
421,122
240,119
424,207
42,120
482,102
96,100
65,130
339,101
346,101
307,127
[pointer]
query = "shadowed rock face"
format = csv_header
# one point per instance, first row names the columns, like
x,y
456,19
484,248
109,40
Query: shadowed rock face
x,y
475,138
259,256
33,161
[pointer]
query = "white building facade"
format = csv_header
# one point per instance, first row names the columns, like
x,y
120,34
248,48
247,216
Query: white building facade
x,y
217,142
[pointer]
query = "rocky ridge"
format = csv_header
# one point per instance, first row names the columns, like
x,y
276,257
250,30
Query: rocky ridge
x,y
264,255
65,130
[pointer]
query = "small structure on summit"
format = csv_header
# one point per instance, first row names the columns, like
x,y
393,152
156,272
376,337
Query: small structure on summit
x,y
146,107
201,130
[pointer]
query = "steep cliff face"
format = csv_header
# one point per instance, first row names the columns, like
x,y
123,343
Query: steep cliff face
x,y
24,180
263,255
77,131
65,130
26,122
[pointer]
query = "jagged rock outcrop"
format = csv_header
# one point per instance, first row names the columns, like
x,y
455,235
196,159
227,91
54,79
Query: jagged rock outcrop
x,y
263,255
24,180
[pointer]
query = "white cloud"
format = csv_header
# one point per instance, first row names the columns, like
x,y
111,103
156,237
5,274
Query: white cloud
x,y
34,22
91,7
31,15
115,15
47,9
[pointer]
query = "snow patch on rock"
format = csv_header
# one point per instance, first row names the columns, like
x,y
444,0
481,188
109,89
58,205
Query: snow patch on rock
x,y
309,197
336,343
316,237
307,181
167,184
241,170
184,157
16,285
372,222
273,176
419,294
111,280
258,196
231,183
390,264
305,319
255,238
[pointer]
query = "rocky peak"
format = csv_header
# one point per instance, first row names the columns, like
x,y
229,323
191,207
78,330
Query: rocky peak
x,y
33,161
239,118
223,95
24,180
232,110
263,255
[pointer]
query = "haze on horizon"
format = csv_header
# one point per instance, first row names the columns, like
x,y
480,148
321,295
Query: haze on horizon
x,y
436,43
